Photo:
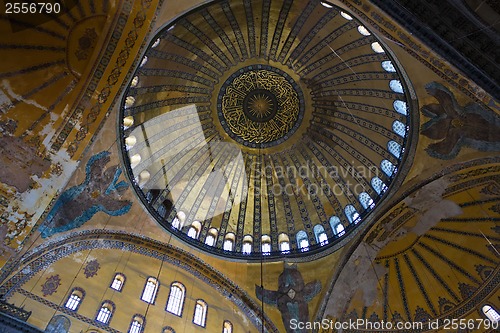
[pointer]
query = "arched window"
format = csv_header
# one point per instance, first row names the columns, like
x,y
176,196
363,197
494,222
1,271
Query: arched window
x,y
178,221
211,236
129,101
156,43
118,282
75,299
168,329
228,242
399,128
176,299
210,240
366,201
130,142
320,234
394,148
400,107
491,313
247,244
135,160
58,324
200,313
144,61
194,229
162,210
227,327
134,82
396,86
266,245
378,185
377,48
128,121
387,167
105,312
352,214
346,16
302,241
362,30
284,243
388,66
144,176
150,290
137,324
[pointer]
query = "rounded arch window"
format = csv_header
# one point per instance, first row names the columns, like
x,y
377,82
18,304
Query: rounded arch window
x,y
247,244
266,244
396,86
399,128
118,282
377,48
337,226
128,121
229,242
284,243
226,176
320,235
302,241
211,237
366,201
378,185
194,229
491,313
352,214
134,82
362,30
401,107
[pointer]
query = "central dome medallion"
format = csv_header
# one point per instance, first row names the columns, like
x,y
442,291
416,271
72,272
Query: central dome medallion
x,y
260,106
265,129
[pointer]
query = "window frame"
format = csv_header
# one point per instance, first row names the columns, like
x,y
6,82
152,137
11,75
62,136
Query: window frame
x,y
74,291
494,316
301,237
230,326
142,323
154,293
122,283
204,313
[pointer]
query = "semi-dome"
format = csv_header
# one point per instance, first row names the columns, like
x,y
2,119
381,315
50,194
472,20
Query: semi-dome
x,y
252,135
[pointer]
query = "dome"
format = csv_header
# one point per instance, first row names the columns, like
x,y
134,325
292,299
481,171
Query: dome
x,y
251,136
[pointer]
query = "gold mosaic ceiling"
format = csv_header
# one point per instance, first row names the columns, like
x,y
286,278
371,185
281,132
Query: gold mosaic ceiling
x,y
265,127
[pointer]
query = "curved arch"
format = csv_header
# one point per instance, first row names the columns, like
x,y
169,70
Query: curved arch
x,y
52,251
118,282
366,201
302,240
320,235
175,303
351,213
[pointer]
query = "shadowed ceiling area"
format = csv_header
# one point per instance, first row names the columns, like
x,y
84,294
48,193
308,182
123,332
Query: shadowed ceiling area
x,y
247,121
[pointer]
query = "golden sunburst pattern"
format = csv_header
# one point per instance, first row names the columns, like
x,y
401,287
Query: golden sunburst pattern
x,y
260,107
